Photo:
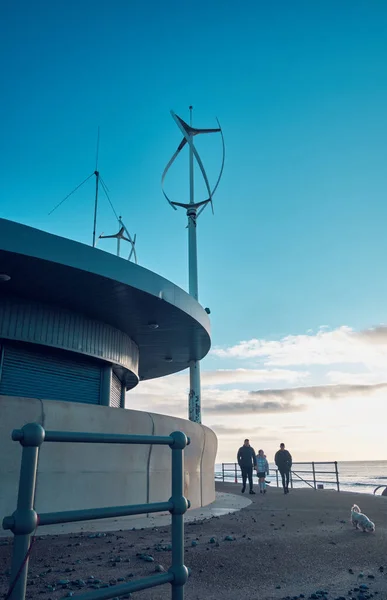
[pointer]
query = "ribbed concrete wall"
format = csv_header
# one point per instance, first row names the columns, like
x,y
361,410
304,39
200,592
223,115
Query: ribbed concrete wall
x,y
75,476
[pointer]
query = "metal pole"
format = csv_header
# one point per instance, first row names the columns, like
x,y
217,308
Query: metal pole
x,y
223,472
96,173
276,476
194,403
314,475
337,477
291,479
119,239
194,400
24,521
236,472
180,505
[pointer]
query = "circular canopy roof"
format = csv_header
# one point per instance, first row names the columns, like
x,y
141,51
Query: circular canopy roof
x,y
48,268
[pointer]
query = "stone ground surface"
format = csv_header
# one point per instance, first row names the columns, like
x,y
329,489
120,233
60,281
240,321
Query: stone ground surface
x,y
281,547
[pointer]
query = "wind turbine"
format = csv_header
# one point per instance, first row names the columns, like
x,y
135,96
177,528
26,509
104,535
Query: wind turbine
x,y
121,236
193,210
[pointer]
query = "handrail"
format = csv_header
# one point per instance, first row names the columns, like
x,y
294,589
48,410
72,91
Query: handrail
x,y
234,470
304,480
25,520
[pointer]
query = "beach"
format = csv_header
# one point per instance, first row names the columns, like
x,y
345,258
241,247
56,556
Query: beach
x,y
278,547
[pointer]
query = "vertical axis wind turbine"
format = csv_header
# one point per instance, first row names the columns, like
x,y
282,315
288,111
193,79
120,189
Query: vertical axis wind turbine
x,y
194,209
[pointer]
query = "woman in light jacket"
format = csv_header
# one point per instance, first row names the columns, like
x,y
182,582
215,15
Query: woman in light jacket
x,y
262,470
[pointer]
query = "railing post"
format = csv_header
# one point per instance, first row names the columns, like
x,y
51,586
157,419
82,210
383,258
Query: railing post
x,y
276,476
24,520
236,472
180,505
291,479
337,476
223,472
314,476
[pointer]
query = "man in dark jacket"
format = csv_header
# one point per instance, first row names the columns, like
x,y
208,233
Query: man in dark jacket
x,y
283,460
247,460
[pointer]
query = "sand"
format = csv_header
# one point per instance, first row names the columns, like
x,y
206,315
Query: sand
x,y
282,546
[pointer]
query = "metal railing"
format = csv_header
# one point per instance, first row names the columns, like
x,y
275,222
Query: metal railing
x,y
24,521
231,471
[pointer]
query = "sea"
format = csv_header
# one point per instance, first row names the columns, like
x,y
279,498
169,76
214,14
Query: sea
x,y
357,476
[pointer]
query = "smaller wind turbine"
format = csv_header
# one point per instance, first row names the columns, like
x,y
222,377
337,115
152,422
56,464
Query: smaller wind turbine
x,y
120,235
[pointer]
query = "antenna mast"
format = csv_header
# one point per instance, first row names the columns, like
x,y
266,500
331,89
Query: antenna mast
x,y
123,233
193,210
96,173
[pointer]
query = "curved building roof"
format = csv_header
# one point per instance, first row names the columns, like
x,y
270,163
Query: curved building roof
x,y
47,268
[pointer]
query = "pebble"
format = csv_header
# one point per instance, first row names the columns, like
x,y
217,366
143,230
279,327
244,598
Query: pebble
x,y
159,569
145,557
212,540
228,538
194,543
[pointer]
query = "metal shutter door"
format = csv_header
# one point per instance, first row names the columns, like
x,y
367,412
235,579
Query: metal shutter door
x,y
115,391
53,375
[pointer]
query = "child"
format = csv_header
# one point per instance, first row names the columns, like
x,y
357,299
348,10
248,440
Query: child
x,y
262,471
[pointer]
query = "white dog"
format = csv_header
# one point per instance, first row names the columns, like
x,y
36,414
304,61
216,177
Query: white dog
x,y
359,520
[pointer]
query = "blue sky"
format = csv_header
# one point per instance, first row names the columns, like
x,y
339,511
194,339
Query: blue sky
x,y
298,237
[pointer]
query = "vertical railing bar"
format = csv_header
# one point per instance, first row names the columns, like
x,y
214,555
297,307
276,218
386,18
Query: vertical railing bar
x,y
179,502
337,476
25,518
314,476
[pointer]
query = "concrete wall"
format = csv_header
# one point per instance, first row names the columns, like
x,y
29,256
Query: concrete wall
x,y
73,476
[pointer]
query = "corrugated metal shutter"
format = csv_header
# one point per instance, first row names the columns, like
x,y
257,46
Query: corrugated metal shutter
x,y
115,391
49,374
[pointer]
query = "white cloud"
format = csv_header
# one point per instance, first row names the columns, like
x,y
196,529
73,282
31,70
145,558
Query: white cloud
x,y
362,378
339,346
230,376
318,392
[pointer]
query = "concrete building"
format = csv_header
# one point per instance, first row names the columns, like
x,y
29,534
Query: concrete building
x,y
79,328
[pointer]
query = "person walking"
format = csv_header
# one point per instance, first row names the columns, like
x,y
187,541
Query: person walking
x,y
262,470
247,460
283,460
